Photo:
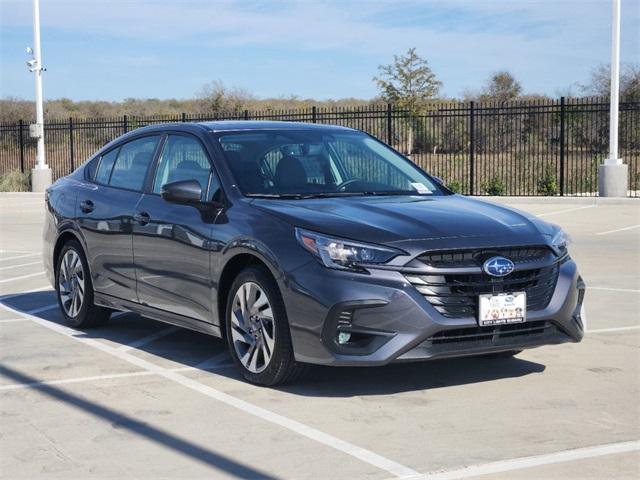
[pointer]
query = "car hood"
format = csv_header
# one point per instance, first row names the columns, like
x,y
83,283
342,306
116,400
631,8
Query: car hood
x,y
413,222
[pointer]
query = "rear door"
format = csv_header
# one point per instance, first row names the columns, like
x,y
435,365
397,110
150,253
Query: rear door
x,y
105,215
171,241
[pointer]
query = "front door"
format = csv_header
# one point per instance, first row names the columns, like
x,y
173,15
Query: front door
x,y
171,241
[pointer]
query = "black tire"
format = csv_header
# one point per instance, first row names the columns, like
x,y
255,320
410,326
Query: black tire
x,y
507,354
89,314
282,367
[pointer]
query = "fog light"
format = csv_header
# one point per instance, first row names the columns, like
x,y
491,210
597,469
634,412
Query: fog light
x,y
344,337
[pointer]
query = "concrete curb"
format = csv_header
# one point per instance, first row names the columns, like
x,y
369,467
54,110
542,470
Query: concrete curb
x,y
562,200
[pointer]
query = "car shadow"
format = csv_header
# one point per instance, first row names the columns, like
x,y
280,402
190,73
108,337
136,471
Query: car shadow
x,y
182,349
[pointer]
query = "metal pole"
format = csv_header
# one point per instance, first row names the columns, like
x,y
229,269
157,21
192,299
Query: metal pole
x,y
472,147
562,141
615,84
40,156
613,175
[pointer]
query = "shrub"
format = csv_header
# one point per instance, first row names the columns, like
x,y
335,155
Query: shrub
x,y
495,186
455,187
547,185
15,181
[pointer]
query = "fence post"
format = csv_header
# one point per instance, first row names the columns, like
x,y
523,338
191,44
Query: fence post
x,y
125,124
184,117
389,125
562,152
472,147
21,125
314,114
246,114
71,150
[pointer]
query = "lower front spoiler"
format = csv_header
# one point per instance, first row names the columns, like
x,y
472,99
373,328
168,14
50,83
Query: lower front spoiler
x,y
484,340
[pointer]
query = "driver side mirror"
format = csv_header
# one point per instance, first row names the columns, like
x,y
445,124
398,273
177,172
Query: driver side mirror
x,y
182,192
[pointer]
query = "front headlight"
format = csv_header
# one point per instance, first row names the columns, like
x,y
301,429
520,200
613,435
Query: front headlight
x,y
561,240
343,254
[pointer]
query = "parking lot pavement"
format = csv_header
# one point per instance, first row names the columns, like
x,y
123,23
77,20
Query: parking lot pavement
x,y
141,399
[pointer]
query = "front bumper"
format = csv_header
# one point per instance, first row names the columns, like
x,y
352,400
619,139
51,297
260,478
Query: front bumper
x,y
392,322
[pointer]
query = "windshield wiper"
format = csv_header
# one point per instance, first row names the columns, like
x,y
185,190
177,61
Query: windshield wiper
x,y
287,196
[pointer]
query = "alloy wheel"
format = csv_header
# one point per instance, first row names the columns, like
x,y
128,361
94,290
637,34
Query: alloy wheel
x,y
252,327
71,283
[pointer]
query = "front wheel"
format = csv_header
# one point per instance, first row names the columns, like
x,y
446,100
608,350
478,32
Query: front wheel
x,y
258,330
75,290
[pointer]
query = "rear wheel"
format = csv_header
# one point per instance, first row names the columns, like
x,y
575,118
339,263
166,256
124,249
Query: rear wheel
x,y
74,289
258,330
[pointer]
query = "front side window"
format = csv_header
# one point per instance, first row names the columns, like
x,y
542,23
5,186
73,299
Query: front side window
x,y
321,163
183,158
133,160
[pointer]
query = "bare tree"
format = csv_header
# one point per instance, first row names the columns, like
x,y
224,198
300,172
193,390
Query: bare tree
x,y
600,83
502,86
215,98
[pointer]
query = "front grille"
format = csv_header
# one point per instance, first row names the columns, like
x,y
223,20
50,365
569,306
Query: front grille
x,y
456,295
475,257
491,334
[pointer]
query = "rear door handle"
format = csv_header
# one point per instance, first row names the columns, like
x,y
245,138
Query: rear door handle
x,y
87,206
142,218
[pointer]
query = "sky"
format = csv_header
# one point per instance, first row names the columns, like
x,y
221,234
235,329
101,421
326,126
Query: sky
x,y
117,49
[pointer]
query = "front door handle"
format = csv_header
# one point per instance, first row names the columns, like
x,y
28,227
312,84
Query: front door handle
x,y
87,206
142,218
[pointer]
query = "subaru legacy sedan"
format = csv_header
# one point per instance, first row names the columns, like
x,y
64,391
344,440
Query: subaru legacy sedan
x,y
303,244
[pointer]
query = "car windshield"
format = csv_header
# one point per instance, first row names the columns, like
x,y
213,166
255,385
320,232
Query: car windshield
x,y
306,163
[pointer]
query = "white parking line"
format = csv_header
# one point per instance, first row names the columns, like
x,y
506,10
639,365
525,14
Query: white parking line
x,y
326,439
614,329
11,320
610,289
13,279
20,265
18,386
43,309
4,259
13,251
213,361
566,210
623,229
26,292
148,339
534,461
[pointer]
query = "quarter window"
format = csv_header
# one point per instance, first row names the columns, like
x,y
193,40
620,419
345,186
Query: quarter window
x,y
106,165
132,163
183,158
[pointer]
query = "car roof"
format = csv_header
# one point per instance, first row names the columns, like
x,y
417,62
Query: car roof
x,y
242,125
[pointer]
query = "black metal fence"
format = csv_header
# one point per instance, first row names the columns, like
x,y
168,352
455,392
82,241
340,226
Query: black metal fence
x,y
550,147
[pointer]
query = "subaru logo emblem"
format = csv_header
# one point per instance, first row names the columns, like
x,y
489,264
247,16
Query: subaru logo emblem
x,y
498,266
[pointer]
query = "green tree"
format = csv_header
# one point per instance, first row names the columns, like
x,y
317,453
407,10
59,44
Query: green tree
x,y
408,82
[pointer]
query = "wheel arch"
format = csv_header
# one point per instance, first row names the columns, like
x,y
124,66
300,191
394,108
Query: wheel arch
x,y
232,268
61,241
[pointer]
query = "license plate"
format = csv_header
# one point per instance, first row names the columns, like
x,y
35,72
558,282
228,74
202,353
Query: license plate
x,y
502,308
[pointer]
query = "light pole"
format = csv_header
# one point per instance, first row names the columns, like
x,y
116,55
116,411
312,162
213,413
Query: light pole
x,y
613,174
41,173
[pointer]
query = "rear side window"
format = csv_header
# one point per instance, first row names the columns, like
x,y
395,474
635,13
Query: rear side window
x,y
132,163
106,165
